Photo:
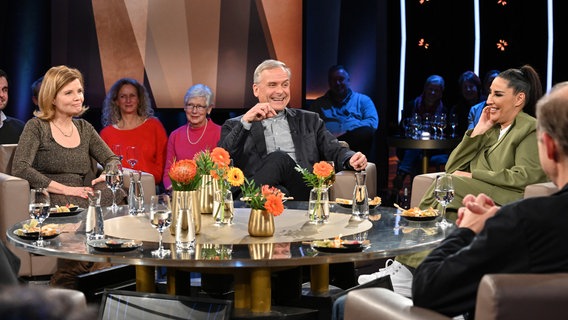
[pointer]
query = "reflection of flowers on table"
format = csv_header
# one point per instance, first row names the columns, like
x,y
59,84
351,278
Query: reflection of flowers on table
x,y
216,252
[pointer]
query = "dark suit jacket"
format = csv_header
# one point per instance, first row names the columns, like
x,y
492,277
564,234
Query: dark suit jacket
x,y
312,141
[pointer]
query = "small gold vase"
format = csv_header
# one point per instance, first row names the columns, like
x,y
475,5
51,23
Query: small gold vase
x,y
192,199
206,194
261,223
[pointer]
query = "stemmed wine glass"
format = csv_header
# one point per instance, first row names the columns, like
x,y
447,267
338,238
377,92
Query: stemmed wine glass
x,y
114,180
39,210
131,156
161,219
117,149
453,122
441,124
444,193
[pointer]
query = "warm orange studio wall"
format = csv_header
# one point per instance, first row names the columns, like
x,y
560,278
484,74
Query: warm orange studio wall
x,y
176,43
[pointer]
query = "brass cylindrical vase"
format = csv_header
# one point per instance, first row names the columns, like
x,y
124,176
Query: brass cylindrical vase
x,y
261,223
206,194
191,198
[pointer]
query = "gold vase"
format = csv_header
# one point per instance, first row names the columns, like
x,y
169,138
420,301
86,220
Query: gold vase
x,y
189,199
261,223
206,194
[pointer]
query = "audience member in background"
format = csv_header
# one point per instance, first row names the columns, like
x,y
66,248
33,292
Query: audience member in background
x,y
270,138
521,237
348,115
470,88
498,157
129,122
475,111
35,92
428,103
55,152
10,128
200,132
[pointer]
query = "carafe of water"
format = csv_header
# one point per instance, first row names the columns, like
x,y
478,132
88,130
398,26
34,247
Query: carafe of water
x,y
135,194
94,226
360,207
184,224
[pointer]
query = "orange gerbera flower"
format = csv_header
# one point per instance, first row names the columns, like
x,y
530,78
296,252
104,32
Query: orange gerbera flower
x,y
220,157
183,171
235,176
322,169
274,204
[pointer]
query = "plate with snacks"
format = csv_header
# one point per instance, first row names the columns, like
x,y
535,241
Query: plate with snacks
x,y
339,245
348,203
114,245
64,211
30,231
417,214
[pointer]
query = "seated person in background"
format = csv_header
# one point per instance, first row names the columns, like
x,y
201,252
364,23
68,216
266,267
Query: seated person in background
x,y
498,157
200,132
475,111
469,85
35,91
129,122
270,138
55,152
348,115
10,128
428,103
521,237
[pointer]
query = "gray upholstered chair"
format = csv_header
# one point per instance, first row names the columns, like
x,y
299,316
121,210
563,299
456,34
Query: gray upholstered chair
x,y
499,297
14,197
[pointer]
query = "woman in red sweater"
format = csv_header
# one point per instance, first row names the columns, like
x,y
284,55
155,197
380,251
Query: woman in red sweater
x,y
128,120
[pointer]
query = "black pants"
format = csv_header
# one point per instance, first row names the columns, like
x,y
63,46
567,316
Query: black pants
x,y
360,139
278,170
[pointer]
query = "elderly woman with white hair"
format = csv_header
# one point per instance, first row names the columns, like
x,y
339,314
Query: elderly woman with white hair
x,y
200,133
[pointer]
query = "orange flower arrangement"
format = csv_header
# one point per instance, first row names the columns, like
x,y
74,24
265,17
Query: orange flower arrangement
x,y
323,171
184,175
266,198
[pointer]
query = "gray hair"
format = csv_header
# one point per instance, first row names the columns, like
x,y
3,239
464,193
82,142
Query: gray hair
x,y
199,90
268,65
552,115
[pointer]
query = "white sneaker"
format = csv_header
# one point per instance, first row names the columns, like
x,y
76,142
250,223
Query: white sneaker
x,y
400,276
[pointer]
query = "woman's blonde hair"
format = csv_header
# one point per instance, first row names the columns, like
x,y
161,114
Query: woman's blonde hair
x,y
53,81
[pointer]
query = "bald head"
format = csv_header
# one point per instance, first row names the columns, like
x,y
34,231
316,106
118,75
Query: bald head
x,y
552,115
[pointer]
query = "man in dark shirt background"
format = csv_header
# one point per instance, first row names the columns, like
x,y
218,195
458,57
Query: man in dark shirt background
x,y
10,128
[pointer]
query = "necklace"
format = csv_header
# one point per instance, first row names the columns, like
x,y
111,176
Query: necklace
x,y
202,134
63,133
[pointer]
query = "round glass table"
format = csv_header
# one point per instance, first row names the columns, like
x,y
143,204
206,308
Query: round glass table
x,y
229,249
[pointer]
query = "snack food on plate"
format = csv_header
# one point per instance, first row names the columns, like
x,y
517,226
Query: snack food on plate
x,y
417,212
372,202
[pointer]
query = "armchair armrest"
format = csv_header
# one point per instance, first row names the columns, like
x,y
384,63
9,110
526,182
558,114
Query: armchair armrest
x,y
148,184
522,296
540,189
420,184
381,303
345,183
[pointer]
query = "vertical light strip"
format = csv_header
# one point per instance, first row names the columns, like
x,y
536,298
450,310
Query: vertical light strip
x,y
402,58
477,37
550,46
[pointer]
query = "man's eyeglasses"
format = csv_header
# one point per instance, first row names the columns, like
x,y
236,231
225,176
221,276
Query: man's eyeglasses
x,y
191,107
